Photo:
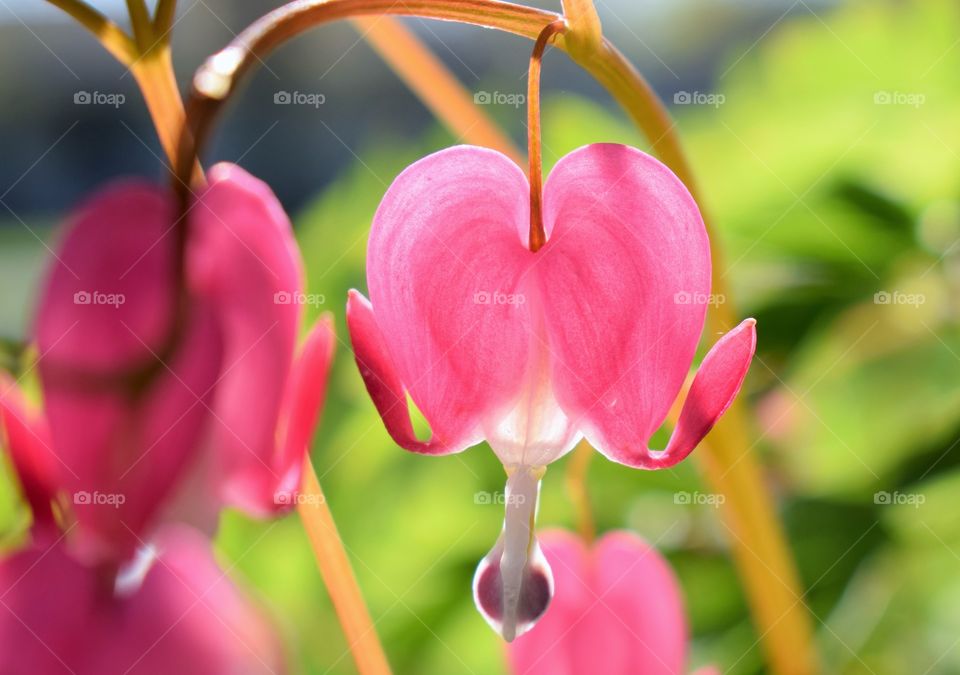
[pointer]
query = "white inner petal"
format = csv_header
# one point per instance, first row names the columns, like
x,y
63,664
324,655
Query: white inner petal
x,y
535,432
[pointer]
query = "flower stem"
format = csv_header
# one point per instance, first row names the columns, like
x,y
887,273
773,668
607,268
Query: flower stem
x,y
576,479
538,236
142,26
338,577
154,75
148,58
163,17
585,33
120,45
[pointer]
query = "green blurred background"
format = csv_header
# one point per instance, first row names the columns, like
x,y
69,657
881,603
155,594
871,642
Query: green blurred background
x,y
827,146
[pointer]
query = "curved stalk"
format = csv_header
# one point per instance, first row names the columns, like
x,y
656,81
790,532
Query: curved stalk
x,y
163,18
760,548
142,25
120,45
538,236
148,59
585,33
576,479
154,75
338,577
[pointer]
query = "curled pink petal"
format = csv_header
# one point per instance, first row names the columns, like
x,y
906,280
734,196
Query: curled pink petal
x,y
715,386
306,391
48,617
616,609
188,617
109,300
245,268
27,439
381,379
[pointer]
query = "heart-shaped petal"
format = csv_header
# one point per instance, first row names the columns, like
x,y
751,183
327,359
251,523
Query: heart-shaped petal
x,y
446,270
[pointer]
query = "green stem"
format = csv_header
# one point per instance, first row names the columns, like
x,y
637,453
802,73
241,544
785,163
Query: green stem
x,y
109,34
142,26
164,17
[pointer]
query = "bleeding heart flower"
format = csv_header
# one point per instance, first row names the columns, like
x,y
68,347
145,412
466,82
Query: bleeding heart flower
x,y
618,610
169,390
158,393
590,336
174,611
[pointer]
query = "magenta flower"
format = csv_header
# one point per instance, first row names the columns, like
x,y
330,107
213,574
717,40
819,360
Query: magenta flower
x,y
167,608
618,610
175,612
590,336
147,382
169,390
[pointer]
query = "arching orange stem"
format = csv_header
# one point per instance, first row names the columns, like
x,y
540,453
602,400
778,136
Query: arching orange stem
x,y
537,235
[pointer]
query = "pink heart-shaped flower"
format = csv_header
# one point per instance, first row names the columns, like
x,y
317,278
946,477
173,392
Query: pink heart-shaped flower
x,y
590,336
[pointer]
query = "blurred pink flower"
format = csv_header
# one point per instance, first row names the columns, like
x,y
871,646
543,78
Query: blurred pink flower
x,y
176,614
591,336
169,391
618,610
221,412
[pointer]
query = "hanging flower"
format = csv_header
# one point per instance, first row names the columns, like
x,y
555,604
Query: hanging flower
x,y
148,382
531,349
618,610
170,388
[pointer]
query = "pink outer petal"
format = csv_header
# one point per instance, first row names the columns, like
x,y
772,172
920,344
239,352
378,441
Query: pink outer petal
x,y
186,618
715,386
303,404
627,274
108,310
381,378
616,609
713,390
245,266
443,245
27,439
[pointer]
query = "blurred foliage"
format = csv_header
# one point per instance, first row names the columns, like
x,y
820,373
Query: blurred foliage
x,y
831,173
